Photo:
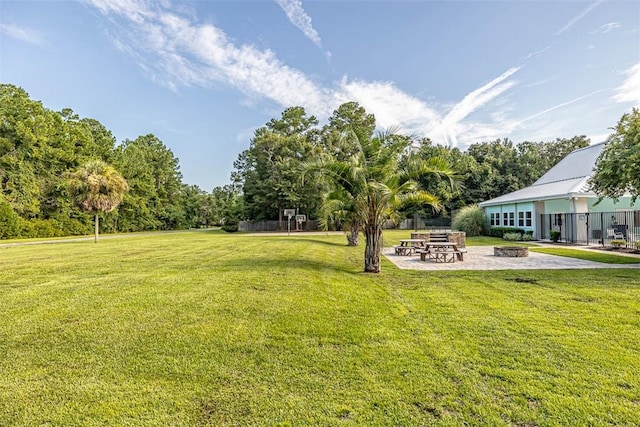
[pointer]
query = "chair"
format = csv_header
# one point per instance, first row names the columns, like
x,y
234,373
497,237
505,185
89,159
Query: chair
x,y
613,234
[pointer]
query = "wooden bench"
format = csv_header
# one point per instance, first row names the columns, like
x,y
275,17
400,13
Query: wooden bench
x,y
443,256
404,250
434,255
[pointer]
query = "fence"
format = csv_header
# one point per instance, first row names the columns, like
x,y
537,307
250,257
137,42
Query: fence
x,y
592,227
435,224
310,225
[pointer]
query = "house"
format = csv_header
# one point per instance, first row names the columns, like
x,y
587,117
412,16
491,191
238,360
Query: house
x,y
561,200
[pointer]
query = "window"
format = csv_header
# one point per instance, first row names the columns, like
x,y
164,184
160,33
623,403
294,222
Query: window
x,y
505,218
528,218
491,219
512,221
520,219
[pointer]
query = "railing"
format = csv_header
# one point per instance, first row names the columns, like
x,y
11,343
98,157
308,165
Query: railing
x,y
592,227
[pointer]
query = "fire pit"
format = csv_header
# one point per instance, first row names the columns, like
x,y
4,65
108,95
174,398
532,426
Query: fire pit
x,y
511,251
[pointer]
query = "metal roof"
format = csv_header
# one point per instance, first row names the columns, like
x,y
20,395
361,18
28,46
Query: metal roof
x,y
566,179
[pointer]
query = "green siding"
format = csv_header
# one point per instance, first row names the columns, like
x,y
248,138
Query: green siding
x,y
607,205
556,206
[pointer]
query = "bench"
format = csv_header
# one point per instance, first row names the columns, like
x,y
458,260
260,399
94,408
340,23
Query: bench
x,y
404,250
445,255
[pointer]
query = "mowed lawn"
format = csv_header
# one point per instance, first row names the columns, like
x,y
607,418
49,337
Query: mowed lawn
x,y
205,328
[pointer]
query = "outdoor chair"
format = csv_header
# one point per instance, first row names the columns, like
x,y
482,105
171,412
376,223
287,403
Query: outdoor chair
x,y
613,234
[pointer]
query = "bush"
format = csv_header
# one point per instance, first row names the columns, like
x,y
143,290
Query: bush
x,y
555,236
513,237
618,243
230,228
527,237
10,222
471,220
500,231
42,228
230,225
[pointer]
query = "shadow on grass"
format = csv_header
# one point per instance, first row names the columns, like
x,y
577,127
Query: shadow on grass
x,y
322,242
268,265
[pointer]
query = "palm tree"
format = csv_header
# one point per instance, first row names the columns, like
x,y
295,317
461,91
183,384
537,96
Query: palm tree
x,y
338,208
378,186
97,187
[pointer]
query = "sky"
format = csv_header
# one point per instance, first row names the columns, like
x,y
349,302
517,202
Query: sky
x,y
203,75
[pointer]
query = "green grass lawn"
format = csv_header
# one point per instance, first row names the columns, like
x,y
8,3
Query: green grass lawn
x,y
205,328
593,255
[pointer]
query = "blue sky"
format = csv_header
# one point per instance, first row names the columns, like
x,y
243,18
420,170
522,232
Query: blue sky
x,y
202,75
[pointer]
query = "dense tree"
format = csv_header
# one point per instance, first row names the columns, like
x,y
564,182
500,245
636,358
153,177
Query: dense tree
x,y
152,172
97,187
618,168
270,170
348,118
226,205
39,147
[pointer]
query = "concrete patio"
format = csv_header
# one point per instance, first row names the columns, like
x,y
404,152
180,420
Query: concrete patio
x,y
482,258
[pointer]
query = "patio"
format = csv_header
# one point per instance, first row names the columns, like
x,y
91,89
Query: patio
x,y
482,258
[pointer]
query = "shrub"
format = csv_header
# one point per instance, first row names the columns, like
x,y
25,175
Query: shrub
x,y
618,243
471,220
10,222
527,237
513,237
555,236
41,228
230,225
500,231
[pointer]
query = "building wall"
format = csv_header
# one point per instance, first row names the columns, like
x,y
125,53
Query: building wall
x,y
607,205
520,215
557,206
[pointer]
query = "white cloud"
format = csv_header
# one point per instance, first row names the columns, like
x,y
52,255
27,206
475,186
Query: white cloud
x,y
298,17
22,33
391,106
176,50
579,16
474,100
629,91
607,28
561,105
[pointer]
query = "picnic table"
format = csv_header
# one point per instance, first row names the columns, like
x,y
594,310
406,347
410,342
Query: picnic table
x,y
442,252
409,246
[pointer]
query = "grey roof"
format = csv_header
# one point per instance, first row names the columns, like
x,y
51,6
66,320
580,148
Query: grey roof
x,y
567,178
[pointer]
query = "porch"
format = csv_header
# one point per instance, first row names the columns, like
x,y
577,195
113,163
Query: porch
x,y
592,228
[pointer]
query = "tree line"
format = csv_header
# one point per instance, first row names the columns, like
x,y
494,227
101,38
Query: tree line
x,y
268,176
39,147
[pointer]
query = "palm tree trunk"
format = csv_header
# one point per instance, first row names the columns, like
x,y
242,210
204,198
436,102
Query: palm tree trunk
x,y
354,234
372,249
96,228
353,238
